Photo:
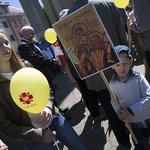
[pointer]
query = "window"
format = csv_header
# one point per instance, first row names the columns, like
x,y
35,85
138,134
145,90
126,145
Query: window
x,y
25,21
4,10
15,23
5,24
19,21
20,34
12,38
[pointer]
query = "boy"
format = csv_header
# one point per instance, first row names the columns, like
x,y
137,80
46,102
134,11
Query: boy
x,y
133,93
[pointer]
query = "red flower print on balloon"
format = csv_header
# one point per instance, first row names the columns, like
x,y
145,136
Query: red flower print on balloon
x,y
26,98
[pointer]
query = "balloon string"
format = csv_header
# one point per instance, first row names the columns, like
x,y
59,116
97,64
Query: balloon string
x,y
55,142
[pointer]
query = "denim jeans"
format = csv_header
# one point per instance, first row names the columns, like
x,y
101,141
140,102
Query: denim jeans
x,y
64,133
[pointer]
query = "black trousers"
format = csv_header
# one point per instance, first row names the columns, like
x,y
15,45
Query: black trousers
x,y
117,125
90,98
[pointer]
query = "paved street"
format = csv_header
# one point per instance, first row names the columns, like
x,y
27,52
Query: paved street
x,y
98,136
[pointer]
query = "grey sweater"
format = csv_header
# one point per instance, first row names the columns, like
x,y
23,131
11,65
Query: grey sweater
x,y
134,94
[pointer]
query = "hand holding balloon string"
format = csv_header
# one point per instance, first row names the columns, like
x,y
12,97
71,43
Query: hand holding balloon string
x,y
46,116
24,90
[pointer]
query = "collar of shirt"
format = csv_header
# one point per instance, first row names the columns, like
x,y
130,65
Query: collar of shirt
x,y
33,45
114,76
26,40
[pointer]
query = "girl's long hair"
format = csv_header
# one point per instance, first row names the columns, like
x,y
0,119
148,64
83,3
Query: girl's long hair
x,y
16,61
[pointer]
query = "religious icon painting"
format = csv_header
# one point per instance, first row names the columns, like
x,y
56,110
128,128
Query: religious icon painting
x,y
86,41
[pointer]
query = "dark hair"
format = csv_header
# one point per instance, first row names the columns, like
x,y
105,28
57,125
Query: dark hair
x,y
125,54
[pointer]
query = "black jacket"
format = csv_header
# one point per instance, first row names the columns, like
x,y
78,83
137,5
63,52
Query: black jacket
x,y
28,51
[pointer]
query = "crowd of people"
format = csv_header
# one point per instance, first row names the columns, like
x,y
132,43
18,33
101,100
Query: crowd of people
x,y
134,102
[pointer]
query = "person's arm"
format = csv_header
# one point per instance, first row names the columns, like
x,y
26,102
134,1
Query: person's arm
x,y
141,23
144,102
119,26
137,28
3,146
15,131
22,132
134,25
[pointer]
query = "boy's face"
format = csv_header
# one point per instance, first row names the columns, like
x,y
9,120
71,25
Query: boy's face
x,y
123,68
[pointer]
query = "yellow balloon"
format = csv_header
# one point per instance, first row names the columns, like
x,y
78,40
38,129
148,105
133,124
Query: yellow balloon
x,y
50,35
30,90
121,3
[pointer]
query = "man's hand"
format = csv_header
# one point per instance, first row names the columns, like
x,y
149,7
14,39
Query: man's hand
x,y
55,61
46,116
3,146
49,136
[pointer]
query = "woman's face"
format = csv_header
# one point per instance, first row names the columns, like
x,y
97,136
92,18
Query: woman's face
x,y
80,31
83,55
5,48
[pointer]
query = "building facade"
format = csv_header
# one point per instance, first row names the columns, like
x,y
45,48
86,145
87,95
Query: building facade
x,y
36,17
53,8
12,19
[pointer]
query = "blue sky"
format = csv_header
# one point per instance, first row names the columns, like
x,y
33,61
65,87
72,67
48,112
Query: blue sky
x,y
15,3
